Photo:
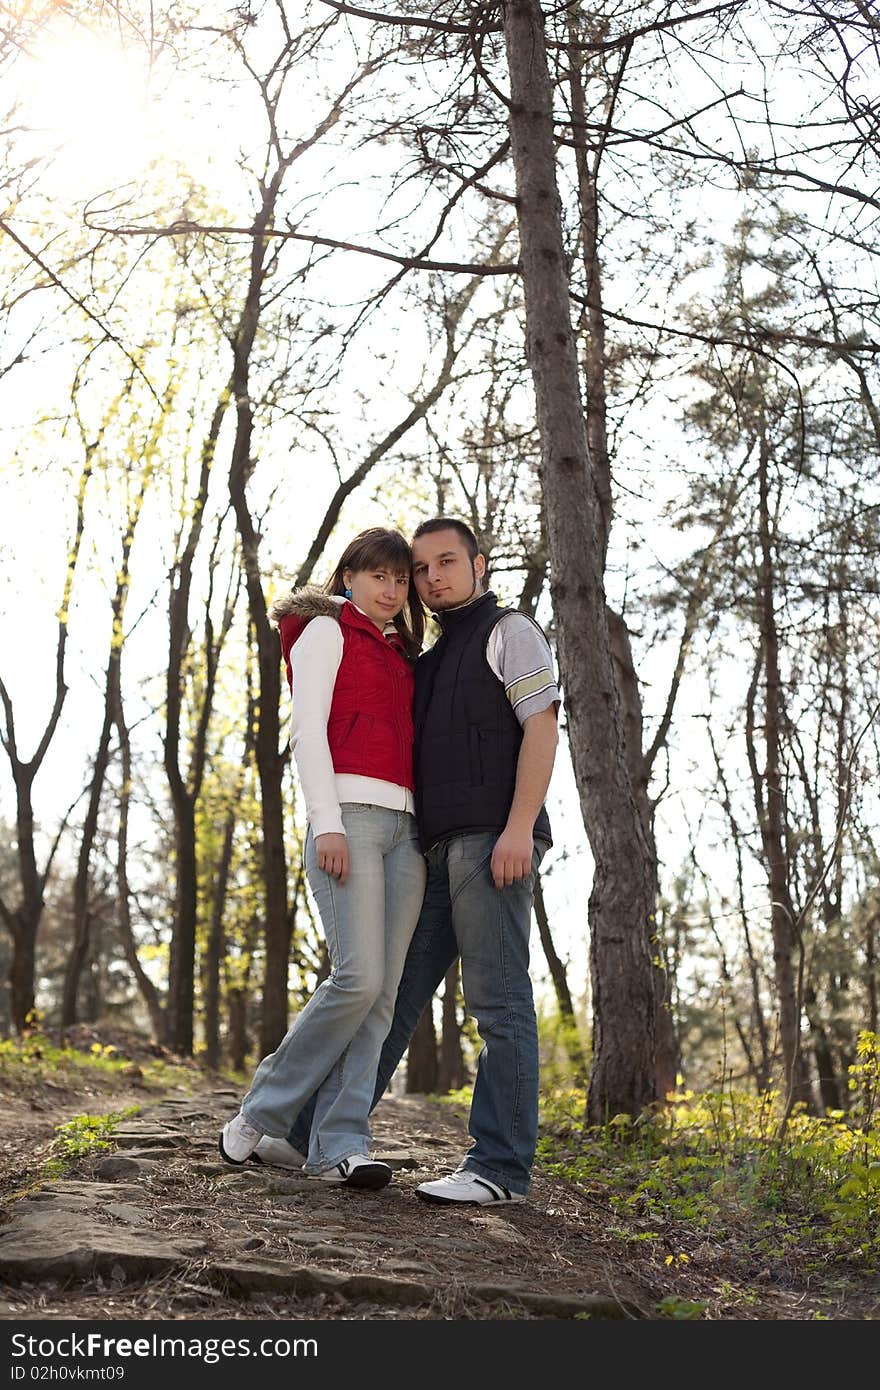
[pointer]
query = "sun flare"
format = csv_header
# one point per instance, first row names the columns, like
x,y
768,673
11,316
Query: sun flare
x,y
88,101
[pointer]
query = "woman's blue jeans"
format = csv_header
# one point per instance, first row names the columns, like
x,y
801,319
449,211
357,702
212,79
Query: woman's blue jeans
x,y
464,914
332,1049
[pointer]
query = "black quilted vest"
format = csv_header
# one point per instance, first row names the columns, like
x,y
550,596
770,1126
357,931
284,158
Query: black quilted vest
x,y
467,738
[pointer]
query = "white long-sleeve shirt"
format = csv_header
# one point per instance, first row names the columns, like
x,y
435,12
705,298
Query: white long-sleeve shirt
x,y
314,663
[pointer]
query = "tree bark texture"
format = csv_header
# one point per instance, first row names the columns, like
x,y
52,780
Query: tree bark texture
x,y
622,898
236,1009
667,1051
421,1056
587,163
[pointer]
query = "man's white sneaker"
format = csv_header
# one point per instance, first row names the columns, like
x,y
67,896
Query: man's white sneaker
x,y
465,1186
277,1153
358,1171
238,1140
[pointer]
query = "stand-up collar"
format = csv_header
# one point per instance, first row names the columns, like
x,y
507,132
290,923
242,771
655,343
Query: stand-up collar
x,y
451,616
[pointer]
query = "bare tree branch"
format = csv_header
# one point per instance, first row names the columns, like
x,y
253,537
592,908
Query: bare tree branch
x,y
107,333
186,228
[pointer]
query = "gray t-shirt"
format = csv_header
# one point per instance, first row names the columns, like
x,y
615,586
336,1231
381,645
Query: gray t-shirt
x,y
519,654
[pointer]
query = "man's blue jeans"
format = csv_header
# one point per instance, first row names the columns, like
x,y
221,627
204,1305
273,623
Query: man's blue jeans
x,y
464,914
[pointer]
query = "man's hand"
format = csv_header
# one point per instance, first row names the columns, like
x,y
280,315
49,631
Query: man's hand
x,y
512,856
333,855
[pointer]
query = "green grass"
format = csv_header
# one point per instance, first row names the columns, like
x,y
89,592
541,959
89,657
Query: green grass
x,y
724,1168
83,1136
34,1067
461,1097
34,1060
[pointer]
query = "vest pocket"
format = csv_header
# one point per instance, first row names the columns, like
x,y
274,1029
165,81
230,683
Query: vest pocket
x,y
340,730
475,756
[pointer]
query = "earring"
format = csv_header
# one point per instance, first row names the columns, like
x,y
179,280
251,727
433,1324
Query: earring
x,y
348,593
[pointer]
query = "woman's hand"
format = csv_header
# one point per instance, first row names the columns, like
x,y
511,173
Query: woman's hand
x,y
333,855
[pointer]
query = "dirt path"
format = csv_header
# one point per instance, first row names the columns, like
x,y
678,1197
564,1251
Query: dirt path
x,y
161,1228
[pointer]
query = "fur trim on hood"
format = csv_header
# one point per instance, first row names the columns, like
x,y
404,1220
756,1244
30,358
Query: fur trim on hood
x,y
308,602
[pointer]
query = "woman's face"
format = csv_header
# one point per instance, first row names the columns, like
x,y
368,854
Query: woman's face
x,y
380,593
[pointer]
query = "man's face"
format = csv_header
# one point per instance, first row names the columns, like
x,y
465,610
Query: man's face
x,y
444,574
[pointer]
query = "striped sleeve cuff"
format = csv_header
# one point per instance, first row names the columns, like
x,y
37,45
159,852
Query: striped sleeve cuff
x,y
531,684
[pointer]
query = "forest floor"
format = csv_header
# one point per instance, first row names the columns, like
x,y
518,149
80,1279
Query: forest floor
x,y
155,1226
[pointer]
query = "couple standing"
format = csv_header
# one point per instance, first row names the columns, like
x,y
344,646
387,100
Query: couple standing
x,y
424,779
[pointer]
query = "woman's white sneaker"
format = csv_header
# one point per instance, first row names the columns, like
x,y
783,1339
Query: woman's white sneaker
x,y
465,1186
277,1153
358,1171
238,1140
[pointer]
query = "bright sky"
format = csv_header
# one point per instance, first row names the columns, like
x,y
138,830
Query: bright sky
x,y
110,109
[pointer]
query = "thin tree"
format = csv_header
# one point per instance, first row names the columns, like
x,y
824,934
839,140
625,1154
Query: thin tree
x,y
22,920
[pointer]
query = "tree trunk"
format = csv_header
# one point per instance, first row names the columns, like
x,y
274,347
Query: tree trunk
x,y
826,1072
91,989
22,1001
421,1056
81,915
270,761
215,948
185,786
622,899
148,990
450,1069
760,1065
23,921
182,956
236,1008
773,828
112,703
559,981
667,1053
667,1056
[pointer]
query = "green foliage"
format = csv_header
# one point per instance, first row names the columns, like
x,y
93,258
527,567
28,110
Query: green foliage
x,y
34,1060
461,1097
680,1308
83,1136
563,1052
721,1170
864,1081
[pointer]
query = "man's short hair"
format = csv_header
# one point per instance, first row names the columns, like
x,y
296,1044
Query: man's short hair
x,y
450,523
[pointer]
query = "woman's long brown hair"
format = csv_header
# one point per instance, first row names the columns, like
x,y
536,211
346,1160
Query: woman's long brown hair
x,y
381,548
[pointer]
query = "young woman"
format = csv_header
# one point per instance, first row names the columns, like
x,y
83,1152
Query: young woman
x,y
349,651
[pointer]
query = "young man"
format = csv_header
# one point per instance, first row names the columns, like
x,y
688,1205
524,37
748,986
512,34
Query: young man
x,y
485,709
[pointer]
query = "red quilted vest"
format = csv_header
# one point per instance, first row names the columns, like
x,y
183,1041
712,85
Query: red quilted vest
x,y
370,727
